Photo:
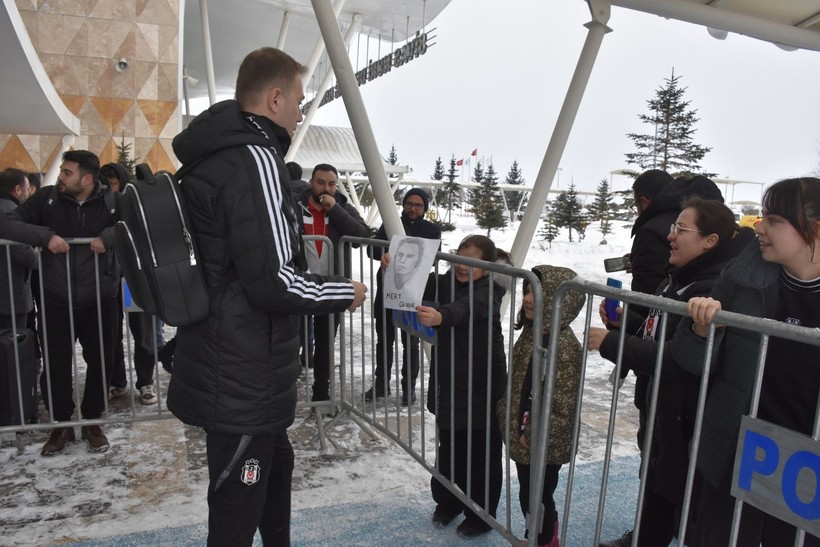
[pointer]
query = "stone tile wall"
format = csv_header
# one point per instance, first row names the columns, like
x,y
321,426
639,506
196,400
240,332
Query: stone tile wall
x,y
79,43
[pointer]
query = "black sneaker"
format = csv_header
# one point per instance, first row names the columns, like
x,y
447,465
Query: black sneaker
x,y
623,541
412,398
468,531
378,388
442,518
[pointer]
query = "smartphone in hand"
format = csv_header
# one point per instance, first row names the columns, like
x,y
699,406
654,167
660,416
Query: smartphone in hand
x,y
610,304
617,264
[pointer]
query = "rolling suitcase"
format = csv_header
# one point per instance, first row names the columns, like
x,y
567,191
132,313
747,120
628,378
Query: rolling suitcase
x,y
10,390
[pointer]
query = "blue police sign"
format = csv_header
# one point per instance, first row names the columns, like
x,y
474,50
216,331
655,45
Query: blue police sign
x,y
778,470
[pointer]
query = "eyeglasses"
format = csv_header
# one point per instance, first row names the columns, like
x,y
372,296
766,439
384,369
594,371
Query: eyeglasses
x,y
411,205
675,228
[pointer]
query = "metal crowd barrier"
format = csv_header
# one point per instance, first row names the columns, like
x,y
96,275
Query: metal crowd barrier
x,y
762,328
412,427
134,411
78,367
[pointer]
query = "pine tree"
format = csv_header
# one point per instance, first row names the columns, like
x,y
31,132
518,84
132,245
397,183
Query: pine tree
x,y
438,174
450,189
515,199
567,211
549,231
124,159
393,159
601,209
490,213
474,194
671,146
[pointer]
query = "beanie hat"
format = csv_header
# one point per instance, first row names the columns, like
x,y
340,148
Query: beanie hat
x,y
420,193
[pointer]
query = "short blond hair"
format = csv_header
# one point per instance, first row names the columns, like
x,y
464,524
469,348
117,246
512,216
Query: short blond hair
x,y
262,69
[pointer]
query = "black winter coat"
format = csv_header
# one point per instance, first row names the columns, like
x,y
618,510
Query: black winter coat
x,y
31,223
750,286
235,371
679,389
453,335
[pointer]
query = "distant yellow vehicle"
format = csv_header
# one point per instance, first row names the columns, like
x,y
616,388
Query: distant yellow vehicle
x,y
750,221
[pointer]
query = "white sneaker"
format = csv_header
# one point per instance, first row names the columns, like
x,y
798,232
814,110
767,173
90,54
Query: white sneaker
x,y
148,395
114,392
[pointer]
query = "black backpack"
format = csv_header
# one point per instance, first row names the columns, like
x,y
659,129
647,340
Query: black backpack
x,y
157,251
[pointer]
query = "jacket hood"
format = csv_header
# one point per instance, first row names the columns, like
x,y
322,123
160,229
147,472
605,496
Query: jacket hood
x,y
223,126
671,196
122,174
551,277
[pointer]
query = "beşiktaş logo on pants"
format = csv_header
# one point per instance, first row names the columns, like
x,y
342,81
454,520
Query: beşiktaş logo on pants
x,y
250,472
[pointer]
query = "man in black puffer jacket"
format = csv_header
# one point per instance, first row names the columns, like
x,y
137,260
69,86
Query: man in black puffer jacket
x,y
235,372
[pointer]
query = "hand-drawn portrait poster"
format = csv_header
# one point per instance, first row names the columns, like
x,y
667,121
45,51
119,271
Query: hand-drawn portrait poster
x,y
410,261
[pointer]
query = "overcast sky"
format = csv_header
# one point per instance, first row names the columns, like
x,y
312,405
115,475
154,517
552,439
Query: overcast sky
x,y
497,76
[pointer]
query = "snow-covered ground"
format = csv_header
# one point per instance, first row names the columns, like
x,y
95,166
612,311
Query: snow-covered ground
x,y
155,475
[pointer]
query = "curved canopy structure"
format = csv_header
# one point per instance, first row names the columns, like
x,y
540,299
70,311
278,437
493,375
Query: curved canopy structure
x,y
238,27
29,104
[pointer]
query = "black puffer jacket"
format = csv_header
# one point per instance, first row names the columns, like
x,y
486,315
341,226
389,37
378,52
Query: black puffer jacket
x,y
749,286
34,222
236,371
453,336
650,248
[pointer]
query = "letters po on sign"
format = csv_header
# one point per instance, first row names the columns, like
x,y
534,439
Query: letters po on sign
x,y
777,471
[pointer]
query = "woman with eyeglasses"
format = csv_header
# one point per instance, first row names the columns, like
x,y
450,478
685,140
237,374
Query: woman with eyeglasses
x,y
702,240
779,279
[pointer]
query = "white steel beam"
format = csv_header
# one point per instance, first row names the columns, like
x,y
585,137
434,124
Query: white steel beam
x,y
283,31
355,24
560,134
354,104
209,53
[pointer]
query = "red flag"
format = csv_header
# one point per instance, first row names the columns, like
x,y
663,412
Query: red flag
x,y
460,163
474,153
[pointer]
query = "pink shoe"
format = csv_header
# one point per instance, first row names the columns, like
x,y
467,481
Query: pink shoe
x,y
554,542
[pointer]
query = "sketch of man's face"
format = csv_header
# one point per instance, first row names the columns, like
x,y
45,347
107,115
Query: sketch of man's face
x,y
408,256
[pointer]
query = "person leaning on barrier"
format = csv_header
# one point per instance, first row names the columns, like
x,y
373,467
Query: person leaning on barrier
x,y
78,209
14,190
658,201
703,239
415,204
565,393
235,371
326,212
779,278
462,318
141,324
